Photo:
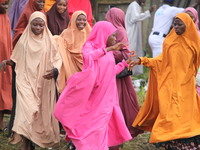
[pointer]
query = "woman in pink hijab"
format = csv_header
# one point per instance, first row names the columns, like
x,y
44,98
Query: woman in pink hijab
x,y
127,95
194,15
88,108
192,12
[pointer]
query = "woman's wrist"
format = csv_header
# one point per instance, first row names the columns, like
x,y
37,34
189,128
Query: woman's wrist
x,y
109,48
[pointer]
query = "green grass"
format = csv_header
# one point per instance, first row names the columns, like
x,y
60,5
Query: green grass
x,y
139,143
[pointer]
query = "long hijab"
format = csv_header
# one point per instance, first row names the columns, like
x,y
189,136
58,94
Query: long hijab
x,y
127,95
23,20
57,22
174,73
92,95
117,17
34,55
70,44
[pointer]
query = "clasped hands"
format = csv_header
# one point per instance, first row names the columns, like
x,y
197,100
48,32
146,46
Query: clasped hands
x,y
120,46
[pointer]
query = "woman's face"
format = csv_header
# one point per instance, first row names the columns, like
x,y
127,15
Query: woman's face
x,y
37,26
111,40
191,15
3,7
81,22
62,6
39,4
179,26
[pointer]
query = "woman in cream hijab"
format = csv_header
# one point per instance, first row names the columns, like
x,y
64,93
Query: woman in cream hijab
x,y
70,43
37,63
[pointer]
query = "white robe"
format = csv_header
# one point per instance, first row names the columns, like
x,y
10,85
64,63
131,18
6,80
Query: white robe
x,y
163,19
133,21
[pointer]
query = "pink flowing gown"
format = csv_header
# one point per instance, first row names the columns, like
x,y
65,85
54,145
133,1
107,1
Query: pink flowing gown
x,y
88,108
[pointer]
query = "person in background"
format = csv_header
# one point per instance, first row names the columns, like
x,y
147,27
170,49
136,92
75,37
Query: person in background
x,y
88,108
163,19
84,5
192,12
15,12
133,22
5,52
171,109
58,17
127,95
70,44
48,4
37,65
31,6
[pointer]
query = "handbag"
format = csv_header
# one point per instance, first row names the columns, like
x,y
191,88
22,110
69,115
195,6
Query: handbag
x,y
125,72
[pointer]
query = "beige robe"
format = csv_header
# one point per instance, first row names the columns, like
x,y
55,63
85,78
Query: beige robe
x,y
36,96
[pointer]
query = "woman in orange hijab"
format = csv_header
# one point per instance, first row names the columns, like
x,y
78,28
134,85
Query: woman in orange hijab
x,y
70,43
5,52
31,6
171,110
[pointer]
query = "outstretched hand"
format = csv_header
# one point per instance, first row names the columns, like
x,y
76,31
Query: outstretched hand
x,y
118,46
49,75
130,60
133,63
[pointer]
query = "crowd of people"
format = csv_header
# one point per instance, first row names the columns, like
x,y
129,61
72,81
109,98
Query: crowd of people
x,y
58,71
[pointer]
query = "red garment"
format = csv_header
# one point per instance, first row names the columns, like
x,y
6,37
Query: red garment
x,y
85,5
2,1
5,51
23,20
